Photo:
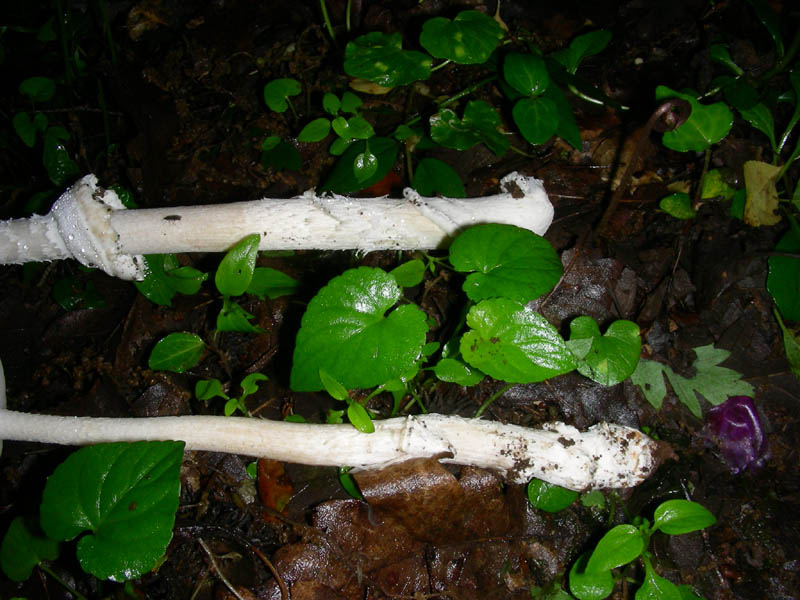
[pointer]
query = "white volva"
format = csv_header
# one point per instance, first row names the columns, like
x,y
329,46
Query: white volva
x,y
90,224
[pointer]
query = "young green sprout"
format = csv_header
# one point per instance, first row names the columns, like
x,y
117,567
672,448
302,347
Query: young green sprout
x,y
90,224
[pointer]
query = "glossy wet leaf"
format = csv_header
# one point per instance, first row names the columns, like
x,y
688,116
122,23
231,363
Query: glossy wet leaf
x,y
619,546
277,92
316,130
762,196
125,495
348,483
279,154
549,497
480,123
24,546
235,271
513,343
56,159
526,73
233,317
165,277
453,370
365,165
589,586
335,389
678,205
359,418
433,176
468,39
409,274
537,119
656,587
707,123
177,352
504,260
342,179
611,357
349,331
38,89
380,58
271,283
583,46
676,517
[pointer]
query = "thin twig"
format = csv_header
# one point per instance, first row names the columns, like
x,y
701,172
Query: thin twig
x,y
220,574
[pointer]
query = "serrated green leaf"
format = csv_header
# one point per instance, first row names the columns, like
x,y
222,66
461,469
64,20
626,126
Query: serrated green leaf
x,y
277,92
453,370
549,497
619,546
206,389
126,494
612,357
24,547
342,180
676,517
526,73
583,46
271,283
433,176
379,57
233,317
511,342
409,274
38,89
235,271
479,124
537,119
707,124
649,376
359,417
589,586
177,352
347,332
316,130
507,261
468,39
678,205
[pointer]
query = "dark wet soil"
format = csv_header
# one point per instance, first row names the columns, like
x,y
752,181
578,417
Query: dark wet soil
x,y
177,116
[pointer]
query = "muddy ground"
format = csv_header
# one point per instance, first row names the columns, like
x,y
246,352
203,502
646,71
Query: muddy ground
x,y
177,116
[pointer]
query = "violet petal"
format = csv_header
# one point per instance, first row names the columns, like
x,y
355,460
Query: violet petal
x,y
736,428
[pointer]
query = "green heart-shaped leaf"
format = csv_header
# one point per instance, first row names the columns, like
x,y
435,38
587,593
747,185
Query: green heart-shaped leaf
x,y
509,261
611,358
511,342
537,119
347,332
526,73
707,124
379,57
277,92
468,39
23,548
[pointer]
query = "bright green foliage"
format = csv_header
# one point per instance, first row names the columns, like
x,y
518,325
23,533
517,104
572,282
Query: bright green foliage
x,y
365,164
409,274
359,417
434,176
537,119
126,495
315,130
454,370
468,39
23,549
278,91
335,389
617,547
681,516
38,89
479,124
206,389
678,205
342,179
233,317
271,283
235,271
583,46
348,483
610,358
526,73
379,57
549,497
656,587
589,586
177,352
713,382
279,155
706,125
505,261
511,342
165,277
783,280
347,332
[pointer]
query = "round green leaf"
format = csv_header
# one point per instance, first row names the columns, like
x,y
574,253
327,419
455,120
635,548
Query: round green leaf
x,y
342,179
365,165
480,123
360,418
331,103
359,128
235,271
350,102
126,494
676,517
706,125
783,280
511,342
177,352
23,548
589,586
315,131
549,497
409,274
453,370
526,73
537,119
347,332
508,261
678,205
38,89
617,547
468,39
379,57
277,91
434,176
610,358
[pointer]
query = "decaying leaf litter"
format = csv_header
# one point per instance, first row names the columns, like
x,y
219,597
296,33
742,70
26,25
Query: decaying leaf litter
x,y
188,111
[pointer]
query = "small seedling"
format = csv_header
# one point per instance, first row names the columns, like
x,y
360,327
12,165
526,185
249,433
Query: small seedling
x,y
207,389
356,413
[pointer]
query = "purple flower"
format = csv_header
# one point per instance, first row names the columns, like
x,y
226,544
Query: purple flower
x,y
736,428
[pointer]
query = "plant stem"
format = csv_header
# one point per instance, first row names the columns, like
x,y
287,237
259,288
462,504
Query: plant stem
x,y
491,399
328,25
63,583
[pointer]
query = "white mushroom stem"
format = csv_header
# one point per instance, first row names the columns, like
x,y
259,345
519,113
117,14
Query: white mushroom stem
x,y
90,224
